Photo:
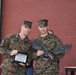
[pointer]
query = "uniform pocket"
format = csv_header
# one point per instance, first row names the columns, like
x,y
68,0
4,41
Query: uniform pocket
x,y
9,66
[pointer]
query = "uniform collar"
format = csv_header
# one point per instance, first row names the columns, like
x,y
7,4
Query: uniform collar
x,y
17,36
45,36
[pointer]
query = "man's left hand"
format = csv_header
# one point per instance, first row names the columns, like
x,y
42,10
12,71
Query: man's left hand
x,y
22,64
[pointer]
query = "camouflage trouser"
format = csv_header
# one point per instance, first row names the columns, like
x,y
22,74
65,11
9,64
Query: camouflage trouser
x,y
6,72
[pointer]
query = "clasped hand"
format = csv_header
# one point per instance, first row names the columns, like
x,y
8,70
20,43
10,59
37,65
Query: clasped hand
x,y
40,52
14,52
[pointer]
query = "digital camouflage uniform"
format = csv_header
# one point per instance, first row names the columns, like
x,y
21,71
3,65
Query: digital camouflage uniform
x,y
48,67
14,42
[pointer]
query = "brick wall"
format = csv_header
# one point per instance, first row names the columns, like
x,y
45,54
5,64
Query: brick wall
x,y
60,13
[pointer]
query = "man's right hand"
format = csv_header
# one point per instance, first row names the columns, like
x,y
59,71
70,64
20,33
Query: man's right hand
x,y
14,52
40,52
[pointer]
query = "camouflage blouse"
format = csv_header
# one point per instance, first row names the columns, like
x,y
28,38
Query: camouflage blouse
x,y
48,67
14,42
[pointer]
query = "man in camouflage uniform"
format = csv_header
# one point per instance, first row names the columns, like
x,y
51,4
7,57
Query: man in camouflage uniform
x,y
43,65
13,44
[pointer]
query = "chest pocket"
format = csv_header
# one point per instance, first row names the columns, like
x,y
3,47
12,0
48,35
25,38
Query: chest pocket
x,y
21,45
49,43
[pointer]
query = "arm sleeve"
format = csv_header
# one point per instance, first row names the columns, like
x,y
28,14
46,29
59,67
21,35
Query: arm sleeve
x,y
59,43
34,56
4,46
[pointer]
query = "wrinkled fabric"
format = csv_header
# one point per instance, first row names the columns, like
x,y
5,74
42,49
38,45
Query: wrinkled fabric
x,y
14,42
48,67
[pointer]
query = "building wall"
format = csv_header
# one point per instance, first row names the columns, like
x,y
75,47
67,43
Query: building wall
x,y
60,13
